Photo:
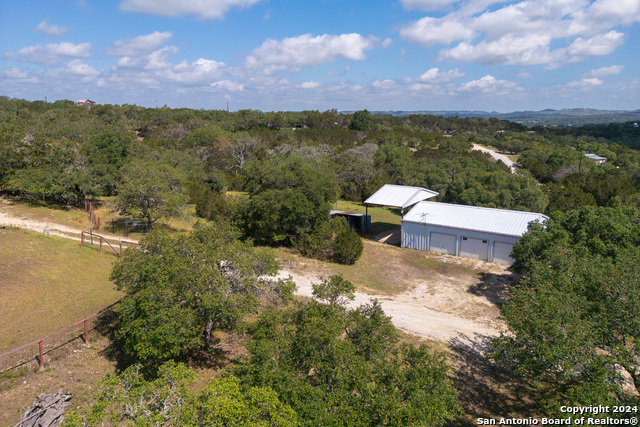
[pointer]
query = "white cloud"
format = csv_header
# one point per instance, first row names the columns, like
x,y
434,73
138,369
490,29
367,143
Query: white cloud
x,y
80,68
203,9
602,44
585,83
309,85
605,14
51,54
550,32
430,31
489,84
606,71
387,42
197,72
50,30
435,75
295,53
141,45
15,74
227,85
339,72
155,60
384,84
509,49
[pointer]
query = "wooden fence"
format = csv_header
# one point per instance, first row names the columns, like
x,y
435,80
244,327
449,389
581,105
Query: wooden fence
x,y
86,237
40,343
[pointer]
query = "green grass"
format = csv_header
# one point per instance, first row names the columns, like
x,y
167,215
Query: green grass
x,y
382,218
48,283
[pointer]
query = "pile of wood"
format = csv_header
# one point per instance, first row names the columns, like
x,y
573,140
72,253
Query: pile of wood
x,y
46,411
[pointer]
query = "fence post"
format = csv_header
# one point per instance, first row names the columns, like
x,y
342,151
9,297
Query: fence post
x,y
120,241
86,333
98,223
100,244
82,239
40,355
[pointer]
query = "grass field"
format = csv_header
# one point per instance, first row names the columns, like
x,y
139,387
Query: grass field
x,y
382,218
48,283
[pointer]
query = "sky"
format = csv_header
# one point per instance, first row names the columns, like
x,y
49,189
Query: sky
x,y
286,55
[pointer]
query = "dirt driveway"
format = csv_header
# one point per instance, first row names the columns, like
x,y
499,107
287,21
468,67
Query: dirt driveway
x,y
500,157
455,303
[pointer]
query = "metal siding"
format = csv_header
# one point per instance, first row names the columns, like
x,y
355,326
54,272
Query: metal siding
x,y
501,253
474,248
416,236
444,243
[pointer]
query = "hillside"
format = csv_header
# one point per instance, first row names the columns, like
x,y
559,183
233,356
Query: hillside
x,y
568,117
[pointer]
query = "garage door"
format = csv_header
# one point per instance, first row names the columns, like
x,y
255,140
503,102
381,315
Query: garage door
x,y
501,253
474,248
445,243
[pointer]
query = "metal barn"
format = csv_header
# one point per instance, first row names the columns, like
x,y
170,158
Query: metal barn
x,y
482,233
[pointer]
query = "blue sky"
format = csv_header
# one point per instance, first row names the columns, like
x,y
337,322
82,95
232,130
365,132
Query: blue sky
x,y
276,55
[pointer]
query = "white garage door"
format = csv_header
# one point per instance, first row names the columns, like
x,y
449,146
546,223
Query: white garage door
x,y
474,248
501,253
445,243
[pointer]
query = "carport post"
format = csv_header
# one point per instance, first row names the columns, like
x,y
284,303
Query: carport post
x,y
366,215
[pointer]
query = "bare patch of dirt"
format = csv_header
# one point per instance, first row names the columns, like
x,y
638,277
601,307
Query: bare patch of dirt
x,y
448,299
74,368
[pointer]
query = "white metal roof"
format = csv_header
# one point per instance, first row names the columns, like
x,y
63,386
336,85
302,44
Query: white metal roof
x,y
399,196
473,218
595,157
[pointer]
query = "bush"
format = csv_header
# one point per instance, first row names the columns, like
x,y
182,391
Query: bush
x,y
347,247
333,240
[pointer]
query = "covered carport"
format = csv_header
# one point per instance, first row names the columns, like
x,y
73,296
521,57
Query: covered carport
x,y
398,196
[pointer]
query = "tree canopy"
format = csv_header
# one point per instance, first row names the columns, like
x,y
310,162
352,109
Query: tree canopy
x,y
179,288
574,317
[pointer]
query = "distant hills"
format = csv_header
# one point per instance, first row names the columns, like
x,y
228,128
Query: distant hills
x,y
562,118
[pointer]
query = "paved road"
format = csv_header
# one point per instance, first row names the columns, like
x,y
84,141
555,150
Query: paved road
x,y
500,157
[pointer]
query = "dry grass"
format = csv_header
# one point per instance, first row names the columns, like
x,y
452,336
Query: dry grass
x,y
382,269
69,216
48,283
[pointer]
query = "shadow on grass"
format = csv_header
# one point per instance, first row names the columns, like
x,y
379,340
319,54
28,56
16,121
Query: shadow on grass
x,y
116,351
380,227
488,390
494,287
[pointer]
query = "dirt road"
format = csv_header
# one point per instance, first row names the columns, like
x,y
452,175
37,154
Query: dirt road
x,y
54,229
439,308
500,157
457,313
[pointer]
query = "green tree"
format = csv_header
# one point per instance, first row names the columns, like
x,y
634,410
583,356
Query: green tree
x,y
340,367
574,317
361,120
289,196
151,190
179,288
131,399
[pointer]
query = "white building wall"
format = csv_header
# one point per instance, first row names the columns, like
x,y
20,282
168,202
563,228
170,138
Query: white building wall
x,y
416,236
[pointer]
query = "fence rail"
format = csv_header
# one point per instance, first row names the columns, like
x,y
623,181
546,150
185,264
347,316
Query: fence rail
x,y
40,342
88,208
84,235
